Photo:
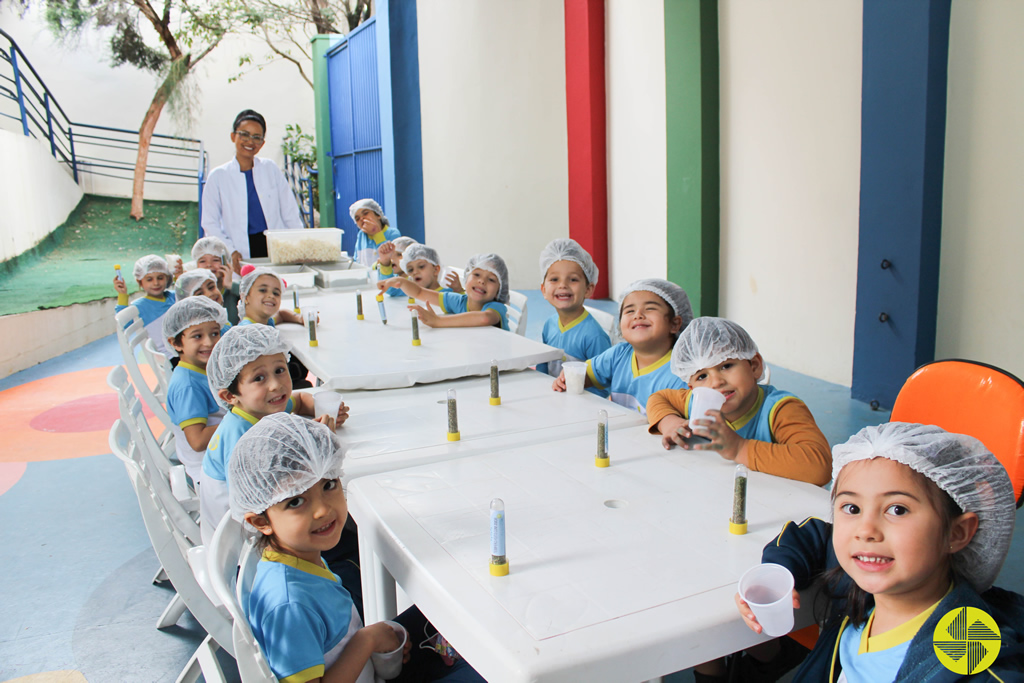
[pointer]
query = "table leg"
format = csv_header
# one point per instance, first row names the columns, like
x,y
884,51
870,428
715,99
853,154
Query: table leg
x,y
387,598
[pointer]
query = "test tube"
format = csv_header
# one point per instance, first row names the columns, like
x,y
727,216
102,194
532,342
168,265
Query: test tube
x,y
117,272
499,563
380,307
311,316
359,304
295,302
495,396
412,300
415,327
453,417
738,522
602,459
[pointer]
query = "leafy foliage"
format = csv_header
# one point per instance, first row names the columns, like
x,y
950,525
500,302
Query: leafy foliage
x,y
301,147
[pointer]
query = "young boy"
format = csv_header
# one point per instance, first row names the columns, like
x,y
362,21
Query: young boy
x,y
154,278
762,427
211,253
568,277
651,316
394,267
374,243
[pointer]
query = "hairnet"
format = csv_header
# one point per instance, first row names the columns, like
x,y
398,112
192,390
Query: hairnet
x,y
249,280
151,263
367,204
962,467
211,246
192,311
672,293
403,243
189,281
708,341
240,345
564,249
281,456
492,263
421,251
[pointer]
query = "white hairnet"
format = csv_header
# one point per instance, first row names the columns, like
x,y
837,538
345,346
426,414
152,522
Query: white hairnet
x,y
708,341
151,263
240,345
281,456
249,280
211,246
367,204
189,281
492,263
672,293
962,467
403,243
564,249
421,252
192,311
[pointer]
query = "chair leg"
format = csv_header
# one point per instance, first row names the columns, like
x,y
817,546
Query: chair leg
x,y
172,612
160,577
203,661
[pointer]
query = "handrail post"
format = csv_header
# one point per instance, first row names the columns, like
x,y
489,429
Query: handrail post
x,y
49,123
200,179
21,95
74,159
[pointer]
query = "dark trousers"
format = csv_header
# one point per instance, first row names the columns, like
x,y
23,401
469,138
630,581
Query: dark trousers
x,y
257,245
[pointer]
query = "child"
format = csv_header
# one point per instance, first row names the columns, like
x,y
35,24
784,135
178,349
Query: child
x,y
651,315
372,242
394,269
192,327
211,253
568,277
286,483
482,305
762,427
422,265
199,282
259,299
154,278
921,523
248,375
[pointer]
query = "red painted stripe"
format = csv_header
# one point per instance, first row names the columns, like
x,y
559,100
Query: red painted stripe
x,y
585,114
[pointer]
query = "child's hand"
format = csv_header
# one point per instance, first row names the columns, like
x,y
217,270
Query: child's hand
x,y
748,615
427,315
329,421
383,637
179,268
559,383
223,274
385,285
236,262
674,430
723,439
120,286
342,415
384,253
407,650
452,282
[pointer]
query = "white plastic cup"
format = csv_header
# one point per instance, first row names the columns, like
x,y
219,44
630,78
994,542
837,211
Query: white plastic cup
x,y
768,589
575,376
704,399
326,402
388,665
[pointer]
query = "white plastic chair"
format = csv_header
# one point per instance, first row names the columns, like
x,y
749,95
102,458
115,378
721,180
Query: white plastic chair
x,y
161,366
232,567
131,335
605,320
517,313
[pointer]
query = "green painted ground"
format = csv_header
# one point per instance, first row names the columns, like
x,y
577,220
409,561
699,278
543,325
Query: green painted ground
x,y
76,263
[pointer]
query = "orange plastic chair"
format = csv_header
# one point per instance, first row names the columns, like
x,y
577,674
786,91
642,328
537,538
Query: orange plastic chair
x,y
967,397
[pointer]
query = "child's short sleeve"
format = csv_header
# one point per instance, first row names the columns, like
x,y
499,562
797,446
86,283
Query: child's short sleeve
x,y
187,403
451,302
502,311
292,642
601,367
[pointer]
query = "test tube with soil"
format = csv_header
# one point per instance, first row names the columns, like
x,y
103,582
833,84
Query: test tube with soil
x,y
738,521
499,562
495,396
453,417
602,458
359,304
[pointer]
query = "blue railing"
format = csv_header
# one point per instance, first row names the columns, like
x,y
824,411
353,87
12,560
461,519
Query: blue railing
x,y
302,179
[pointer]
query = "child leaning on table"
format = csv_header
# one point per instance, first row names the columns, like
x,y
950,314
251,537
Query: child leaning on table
x,y
154,278
423,266
764,428
651,315
248,375
394,269
374,243
483,304
568,277
922,521
285,481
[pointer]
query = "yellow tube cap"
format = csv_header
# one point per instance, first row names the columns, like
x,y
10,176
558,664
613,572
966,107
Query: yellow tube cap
x,y
602,462
415,342
738,529
359,317
499,569
453,436
380,297
495,401
314,343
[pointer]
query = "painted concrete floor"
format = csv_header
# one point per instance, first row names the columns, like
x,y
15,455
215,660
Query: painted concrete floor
x,y
77,600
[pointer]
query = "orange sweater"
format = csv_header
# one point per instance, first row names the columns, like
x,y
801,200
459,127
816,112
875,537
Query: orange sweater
x,y
800,450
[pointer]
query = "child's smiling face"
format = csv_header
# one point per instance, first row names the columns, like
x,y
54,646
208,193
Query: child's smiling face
x,y
154,284
565,286
736,379
210,290
368,221
482,286
210,262
197,342
647,320
308,524
423,272
263,300
264,386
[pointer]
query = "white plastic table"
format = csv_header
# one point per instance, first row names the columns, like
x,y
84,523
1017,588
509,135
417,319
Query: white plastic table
x,y
617,574
398,428
366,354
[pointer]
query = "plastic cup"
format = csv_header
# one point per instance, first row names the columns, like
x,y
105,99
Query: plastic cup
x,y
388,665
768,589
705,399
326,402
575,376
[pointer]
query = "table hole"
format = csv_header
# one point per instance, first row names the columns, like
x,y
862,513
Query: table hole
x,y
615,504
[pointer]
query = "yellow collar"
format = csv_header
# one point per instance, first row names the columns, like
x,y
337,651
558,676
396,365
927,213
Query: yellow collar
x,y
749,415
637,372
244,415
895,636
573,324
193,368
378,236
298,563
153,298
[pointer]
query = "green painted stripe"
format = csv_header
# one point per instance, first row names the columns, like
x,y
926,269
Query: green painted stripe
x,y
692,170
322,102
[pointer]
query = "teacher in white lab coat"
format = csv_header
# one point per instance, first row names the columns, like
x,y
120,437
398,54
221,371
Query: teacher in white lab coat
x,y
248,195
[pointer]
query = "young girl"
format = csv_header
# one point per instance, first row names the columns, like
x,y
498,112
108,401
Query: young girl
x,y
651,316
259,299
482,305
248,375
154,278
192,327
286,484
212,254
922,522
374,243
198,282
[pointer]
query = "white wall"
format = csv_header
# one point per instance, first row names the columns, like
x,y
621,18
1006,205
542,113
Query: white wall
x,y
981,314
790,154
637,198
90,91
492,107
36,192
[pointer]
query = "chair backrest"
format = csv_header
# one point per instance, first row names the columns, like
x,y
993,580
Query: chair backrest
x,y
233,559
161,366
971,398
130,409
131,335
607,321
517,313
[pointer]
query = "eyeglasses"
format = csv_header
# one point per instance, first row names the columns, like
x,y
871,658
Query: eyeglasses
x,y
247,137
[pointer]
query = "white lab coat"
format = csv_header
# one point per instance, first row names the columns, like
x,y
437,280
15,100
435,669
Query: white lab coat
x,y
226,203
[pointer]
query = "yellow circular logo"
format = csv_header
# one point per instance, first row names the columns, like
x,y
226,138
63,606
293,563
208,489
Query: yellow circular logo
x,y
966,640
